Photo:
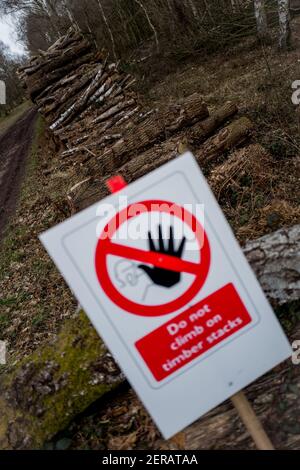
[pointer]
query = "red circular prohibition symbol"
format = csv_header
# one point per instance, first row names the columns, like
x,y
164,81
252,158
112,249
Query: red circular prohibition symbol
x,y
106,247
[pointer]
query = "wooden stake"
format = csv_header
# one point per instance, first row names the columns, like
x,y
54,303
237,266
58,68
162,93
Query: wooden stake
x,y
251,421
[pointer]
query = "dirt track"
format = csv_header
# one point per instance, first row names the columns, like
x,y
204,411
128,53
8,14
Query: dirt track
x,y
14,146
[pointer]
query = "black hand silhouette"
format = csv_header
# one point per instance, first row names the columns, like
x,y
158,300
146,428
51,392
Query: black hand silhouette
x,y
160,276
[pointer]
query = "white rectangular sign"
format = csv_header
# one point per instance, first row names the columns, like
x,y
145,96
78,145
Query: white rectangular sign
x,y
158,270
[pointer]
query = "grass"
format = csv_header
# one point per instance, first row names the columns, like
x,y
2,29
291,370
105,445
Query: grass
x,y
33,298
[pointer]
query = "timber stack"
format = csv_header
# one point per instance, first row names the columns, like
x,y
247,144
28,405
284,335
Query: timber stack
x,y
92,108
82,96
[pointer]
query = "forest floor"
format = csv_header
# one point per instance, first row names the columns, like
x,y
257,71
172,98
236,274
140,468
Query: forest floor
x,y
34,299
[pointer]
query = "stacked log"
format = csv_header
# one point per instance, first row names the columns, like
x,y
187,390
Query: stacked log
x,y
140,162
91,108
81,95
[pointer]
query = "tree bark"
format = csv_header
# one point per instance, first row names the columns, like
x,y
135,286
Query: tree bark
x,y
77,90
160,125
93,189
47,389
284,23
44,392
38,84
275,260
261,18
231,136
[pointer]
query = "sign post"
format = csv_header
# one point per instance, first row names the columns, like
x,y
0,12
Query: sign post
x,y
161,276
251,421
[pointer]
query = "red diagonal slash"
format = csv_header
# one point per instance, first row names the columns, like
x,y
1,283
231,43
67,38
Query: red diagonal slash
x,y
160,260
106,247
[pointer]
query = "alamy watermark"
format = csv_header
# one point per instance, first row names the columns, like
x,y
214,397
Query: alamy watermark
x,y
126,221
2,92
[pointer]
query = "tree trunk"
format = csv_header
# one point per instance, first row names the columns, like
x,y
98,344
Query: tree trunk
x,y
43,393
134,167
284,23
275,259
77,90
50,387
108,29
261,19
37,86
151,25
232,135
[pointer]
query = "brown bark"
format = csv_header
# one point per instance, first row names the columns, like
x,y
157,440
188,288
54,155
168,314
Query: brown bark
x,y
74,87
63,59
137,166
231,136
36,85
60,98
42,394
142,133
158,126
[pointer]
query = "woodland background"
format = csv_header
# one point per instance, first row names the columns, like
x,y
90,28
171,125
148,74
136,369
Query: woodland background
x,y
158,34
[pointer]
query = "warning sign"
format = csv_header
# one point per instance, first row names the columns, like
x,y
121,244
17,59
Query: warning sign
x,y
157,269
193,332
164,262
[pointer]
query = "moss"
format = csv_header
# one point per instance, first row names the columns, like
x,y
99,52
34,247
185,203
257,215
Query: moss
x,y
57,382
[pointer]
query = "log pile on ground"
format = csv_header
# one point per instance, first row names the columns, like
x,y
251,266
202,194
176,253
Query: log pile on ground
x,y
82,96
91,108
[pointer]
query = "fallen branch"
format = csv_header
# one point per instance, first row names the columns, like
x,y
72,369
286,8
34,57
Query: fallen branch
x,y
230,136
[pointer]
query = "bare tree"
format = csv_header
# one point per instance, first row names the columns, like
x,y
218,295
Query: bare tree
x,y
108,28
284,23
261,18
194,9
149,21
177,26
